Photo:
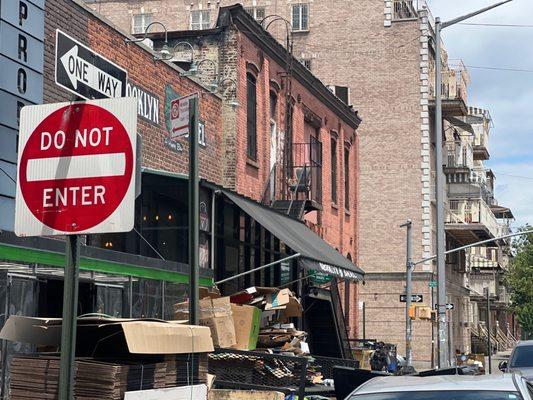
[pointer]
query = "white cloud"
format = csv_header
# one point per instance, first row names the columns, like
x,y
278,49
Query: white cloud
x,y
514,189
508,95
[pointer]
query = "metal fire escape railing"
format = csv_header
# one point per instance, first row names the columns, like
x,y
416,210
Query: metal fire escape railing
x,y
305,178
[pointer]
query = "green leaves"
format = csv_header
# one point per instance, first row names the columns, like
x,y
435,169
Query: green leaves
x,y
519,279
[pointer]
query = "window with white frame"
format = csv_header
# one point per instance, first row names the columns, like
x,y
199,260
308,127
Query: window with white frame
x,y
257,12
140,22
200,19
300,17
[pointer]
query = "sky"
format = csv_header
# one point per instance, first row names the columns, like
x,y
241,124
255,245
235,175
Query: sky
x,y
508,95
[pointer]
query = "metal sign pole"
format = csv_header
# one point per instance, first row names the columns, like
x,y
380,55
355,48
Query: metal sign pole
x,y
408,295
489,344
193,212
68,327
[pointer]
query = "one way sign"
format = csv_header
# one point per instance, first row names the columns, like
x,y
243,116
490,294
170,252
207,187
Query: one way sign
x,y
86,73
415,298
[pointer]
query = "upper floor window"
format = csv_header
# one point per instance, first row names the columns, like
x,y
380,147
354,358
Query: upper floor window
x,y
334,170
251,117
140,22
346,178
200,19
300,17
257,12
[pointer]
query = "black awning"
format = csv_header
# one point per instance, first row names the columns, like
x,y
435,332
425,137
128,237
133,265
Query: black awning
x,y
316,254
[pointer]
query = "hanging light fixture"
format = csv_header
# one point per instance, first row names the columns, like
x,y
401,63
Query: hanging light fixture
x,y
164,52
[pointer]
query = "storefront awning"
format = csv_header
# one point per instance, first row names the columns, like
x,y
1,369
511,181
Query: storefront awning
x,y
316,254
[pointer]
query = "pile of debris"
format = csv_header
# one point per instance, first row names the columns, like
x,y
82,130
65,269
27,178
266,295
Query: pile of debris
x,y
255,318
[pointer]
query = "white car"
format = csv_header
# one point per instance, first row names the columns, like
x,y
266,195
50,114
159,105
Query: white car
x,y
445,387
521,360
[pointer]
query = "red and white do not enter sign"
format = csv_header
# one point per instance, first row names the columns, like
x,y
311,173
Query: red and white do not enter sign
x,y
76,168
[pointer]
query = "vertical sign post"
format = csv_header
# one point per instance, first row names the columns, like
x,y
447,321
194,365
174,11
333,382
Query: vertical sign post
x,y
408,296
489,329
194,216
193,211
76,169
68,327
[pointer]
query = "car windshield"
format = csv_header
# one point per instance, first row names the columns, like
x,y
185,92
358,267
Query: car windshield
x,y
442,395
522,357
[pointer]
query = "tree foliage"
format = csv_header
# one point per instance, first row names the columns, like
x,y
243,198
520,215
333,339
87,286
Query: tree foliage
x,y
520,280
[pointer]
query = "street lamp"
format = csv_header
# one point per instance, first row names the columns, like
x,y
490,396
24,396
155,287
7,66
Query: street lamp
x,y
165,51
186,44
439,183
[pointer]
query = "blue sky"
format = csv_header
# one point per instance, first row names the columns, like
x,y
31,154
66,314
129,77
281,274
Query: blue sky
x,y
508,95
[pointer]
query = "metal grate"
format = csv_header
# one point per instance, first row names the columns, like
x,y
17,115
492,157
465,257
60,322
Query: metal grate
x,y
326,364
254,370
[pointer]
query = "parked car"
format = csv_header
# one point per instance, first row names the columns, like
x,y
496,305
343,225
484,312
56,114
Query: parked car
x,y
521,360
445,387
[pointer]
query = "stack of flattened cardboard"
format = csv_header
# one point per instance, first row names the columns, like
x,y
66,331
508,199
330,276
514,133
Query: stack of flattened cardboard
x,y
37,377
139,346
179,369
34,378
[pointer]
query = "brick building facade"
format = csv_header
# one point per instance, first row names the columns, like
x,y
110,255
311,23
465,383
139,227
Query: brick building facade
x,y
385,64
244,54
315,113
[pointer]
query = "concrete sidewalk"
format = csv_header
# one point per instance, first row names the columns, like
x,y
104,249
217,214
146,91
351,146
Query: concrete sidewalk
x,y
496,360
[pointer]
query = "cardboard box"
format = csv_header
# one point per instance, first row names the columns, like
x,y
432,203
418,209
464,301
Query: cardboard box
x,y
246,321
112,337
363,356
216,314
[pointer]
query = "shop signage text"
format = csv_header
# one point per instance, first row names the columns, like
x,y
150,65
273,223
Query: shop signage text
x,y
21,83
147,103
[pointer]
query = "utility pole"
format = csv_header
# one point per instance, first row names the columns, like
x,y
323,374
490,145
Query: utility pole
x,y
408,294
489,344
443,360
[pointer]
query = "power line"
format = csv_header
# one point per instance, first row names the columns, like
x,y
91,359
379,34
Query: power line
x,y
495,68
497,25
515,176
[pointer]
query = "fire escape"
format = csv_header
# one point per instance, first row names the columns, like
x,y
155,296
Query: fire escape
x,y
296,187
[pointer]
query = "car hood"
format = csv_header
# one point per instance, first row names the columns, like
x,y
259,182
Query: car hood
x,y
525,372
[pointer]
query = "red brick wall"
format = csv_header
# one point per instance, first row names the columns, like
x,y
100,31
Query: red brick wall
x,y
336,224
143,71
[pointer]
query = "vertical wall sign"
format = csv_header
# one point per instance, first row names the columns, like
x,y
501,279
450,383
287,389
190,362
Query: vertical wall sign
x,y
21,83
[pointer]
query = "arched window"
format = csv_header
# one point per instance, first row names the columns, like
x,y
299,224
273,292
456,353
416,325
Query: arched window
x,y
251,116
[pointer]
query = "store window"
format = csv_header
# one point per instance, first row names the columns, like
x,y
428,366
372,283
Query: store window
x,y
251,116
300,17
242,245
161,223
200,19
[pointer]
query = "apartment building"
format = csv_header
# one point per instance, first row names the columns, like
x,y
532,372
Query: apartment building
x,y
380,55
474,215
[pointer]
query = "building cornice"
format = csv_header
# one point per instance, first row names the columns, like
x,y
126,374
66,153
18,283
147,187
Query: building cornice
x,y
236,15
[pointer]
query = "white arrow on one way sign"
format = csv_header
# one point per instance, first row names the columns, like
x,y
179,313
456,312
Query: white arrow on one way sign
x,y
80,70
